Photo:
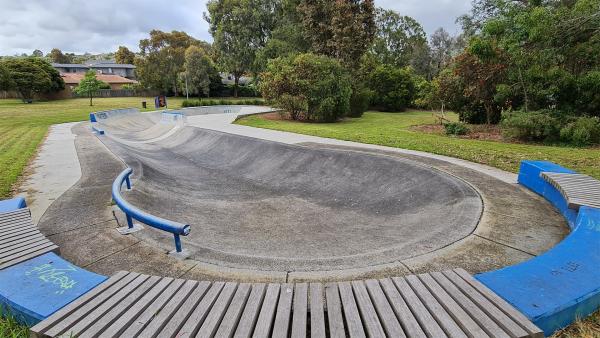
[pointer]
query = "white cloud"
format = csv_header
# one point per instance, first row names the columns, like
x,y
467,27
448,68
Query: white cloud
x,y
101,26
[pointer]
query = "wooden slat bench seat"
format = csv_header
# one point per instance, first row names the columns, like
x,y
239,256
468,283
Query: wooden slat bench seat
x,y
20,240
579,190
445,304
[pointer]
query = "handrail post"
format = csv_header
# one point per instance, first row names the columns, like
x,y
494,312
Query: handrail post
x,y
177,243
129,221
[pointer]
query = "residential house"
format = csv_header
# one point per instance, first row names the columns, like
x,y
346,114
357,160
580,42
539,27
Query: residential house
x,y
115,82
112,68
70,68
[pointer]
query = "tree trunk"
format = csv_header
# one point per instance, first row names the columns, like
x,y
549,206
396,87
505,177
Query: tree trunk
x,y
91,103
235,86
524,88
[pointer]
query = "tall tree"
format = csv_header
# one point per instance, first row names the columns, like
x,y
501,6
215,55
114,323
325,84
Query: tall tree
x,y
340,29
37,53
240,28
124,55
6,82
399,38
57,56
32,76
198,68
89,85
162,57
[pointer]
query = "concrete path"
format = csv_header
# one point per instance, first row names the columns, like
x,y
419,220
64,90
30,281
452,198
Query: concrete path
x,y
54,170
224,123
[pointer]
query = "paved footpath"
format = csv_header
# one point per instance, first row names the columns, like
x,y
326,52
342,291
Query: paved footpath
x,y
224,123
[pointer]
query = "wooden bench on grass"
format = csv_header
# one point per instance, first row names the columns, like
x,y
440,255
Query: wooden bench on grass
x,y
443,304
20,240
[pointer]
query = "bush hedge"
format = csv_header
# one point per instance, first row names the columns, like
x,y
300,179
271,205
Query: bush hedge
x,y
222,102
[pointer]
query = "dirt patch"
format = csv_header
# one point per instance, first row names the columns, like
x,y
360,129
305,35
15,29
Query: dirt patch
x,y
476,131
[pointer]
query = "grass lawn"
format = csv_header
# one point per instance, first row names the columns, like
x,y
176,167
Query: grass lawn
x,y
392,129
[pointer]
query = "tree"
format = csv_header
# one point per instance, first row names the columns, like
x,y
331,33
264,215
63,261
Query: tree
x,y
89,85
33,76
6,82
343,30
441,45
57,56
198,68
37,53
394,88
124,56
162,57
240,28
308,86
398,38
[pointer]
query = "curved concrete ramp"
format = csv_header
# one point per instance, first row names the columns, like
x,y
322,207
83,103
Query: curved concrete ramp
x,y
269,206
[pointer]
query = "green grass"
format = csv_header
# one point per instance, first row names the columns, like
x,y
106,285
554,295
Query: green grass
x,y
23,127
9,328
392,129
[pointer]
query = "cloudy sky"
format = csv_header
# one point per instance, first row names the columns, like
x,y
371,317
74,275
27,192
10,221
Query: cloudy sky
x,y
101,26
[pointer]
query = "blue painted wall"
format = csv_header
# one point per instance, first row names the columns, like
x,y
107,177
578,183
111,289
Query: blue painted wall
x,y
12,204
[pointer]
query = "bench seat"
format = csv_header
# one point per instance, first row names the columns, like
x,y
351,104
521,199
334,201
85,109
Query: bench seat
x,y
577,189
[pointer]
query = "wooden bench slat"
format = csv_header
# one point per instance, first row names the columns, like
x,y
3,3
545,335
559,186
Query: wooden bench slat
x,y
25,223
195,312
153,309
317,311
21,249
353,321
468,325
179,318
13,232
533,330
335,318
217,311
435,308
369,316
125,320
384,310
264,323
486,323
504,321
69,309
25,256
165,313
300,313
408,321
88,319
283,313
251,311
425,319
25,241
120,308
234,312
17,237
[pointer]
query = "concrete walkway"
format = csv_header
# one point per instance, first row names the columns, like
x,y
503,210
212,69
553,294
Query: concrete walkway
x,y
224,123
54,170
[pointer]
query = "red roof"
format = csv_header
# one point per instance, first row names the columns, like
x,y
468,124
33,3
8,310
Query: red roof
x,y
75,78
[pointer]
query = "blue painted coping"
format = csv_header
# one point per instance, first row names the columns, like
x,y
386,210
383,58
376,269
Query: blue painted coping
x,y
33,290
563,284
12,204
93,117
97,130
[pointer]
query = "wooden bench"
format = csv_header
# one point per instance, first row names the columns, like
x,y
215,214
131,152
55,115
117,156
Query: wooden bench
x,y
20,240
446,304
577,189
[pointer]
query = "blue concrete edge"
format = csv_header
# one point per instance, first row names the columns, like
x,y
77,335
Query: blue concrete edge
x,y
12,204
33,290
560,286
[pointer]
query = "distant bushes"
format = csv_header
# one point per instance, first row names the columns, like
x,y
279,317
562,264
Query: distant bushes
x,y
543,126
393,88
222,102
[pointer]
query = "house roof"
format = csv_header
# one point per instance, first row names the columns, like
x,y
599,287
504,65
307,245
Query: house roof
x,y
75,78
111,64
68,65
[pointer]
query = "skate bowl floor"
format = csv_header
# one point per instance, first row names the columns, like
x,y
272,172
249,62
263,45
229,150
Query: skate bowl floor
x,y
257,204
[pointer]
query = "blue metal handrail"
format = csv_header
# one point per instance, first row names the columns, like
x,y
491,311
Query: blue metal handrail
x,y
132,212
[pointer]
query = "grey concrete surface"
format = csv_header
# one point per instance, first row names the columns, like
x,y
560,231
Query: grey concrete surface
x,y
54,170
240,211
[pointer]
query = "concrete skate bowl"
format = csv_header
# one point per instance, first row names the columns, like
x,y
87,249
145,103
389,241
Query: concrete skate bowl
x,y
268,206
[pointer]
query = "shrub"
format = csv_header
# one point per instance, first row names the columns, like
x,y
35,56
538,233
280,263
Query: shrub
x,y
456,128
531,126
588,97
359,101
584,131
308,86
222,102
393,88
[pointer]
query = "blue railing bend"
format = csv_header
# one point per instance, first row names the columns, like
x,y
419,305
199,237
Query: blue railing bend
x,y
132,212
